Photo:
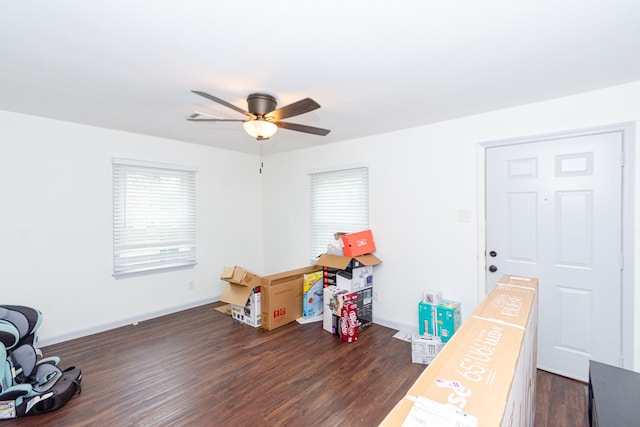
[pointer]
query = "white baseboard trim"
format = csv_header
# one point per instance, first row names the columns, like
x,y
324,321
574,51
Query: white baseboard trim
x,y
56,339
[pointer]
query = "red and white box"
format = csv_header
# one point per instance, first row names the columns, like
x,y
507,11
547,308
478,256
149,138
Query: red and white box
x,y
360,243
349,318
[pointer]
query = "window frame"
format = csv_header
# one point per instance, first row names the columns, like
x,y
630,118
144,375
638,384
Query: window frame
x,y
321,232
154,217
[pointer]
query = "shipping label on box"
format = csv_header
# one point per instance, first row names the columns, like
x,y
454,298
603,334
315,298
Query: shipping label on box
x,y
312,294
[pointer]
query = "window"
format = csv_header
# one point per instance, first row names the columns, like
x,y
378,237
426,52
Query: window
x,y
154,216
339,203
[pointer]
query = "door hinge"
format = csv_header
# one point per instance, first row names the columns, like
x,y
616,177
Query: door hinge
x,y
622,158
621,261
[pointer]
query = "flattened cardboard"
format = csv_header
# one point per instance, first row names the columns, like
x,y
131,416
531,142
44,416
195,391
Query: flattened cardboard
x,y
236,294
341,262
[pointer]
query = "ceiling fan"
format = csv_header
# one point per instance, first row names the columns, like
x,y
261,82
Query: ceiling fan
x,y
263,118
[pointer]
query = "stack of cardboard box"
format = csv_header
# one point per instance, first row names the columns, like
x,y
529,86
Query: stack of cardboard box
x,y
349,277
440,320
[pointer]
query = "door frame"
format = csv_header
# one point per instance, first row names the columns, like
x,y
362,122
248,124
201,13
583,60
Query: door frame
x,y
627,129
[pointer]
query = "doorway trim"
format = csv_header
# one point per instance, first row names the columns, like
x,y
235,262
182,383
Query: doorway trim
x,y
627,129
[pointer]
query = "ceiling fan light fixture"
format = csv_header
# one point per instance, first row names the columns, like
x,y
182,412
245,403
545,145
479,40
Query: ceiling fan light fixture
x,y
260,128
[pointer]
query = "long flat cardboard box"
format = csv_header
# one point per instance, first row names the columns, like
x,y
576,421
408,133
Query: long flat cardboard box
x,y
487,370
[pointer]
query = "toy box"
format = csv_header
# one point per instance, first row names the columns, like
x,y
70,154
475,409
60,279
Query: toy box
x,y
349,318
312,285
332,305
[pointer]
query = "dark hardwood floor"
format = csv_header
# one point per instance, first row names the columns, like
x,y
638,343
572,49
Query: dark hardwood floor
x,y
202,368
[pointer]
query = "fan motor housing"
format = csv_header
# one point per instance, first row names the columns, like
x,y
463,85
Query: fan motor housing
x,y
260,104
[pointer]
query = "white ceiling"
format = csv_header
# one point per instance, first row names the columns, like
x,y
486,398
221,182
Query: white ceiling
x,y
373,66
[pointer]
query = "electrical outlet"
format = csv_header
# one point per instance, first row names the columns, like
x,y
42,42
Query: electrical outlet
x,y
192,285
464,215
375,296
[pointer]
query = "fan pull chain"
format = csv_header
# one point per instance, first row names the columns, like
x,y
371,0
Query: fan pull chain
x,y
261,155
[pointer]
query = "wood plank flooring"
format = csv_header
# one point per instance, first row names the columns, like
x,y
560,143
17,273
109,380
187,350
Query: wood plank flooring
x,y
202,368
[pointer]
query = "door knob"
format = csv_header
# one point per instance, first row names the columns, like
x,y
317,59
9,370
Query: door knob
x,y
493,268
493,254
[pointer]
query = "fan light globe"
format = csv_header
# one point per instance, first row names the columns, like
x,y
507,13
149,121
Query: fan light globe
x,y
260,129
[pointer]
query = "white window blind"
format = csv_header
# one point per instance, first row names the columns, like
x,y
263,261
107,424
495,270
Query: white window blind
x,y
339,203
154,216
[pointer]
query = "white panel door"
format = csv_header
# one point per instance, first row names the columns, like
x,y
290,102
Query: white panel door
x,y
554,211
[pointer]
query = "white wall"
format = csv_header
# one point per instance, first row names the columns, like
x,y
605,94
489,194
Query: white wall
x,y
56,224
55,212
420,178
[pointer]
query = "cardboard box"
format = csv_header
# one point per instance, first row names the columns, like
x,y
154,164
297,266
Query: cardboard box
x,y
509,301
330,274
448,319
425,348
347,263
357,279
332,303
240,276
360,243
250,313
365,308
349,318
431,296
312,294
282,297
487,371
427,319
240,285
441,320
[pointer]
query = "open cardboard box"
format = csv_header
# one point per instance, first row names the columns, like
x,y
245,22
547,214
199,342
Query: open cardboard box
x,y
241,284
280,294
347,263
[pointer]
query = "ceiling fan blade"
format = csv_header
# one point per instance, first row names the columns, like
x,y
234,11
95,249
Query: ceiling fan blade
x,y
195,117
223,102
295,109
303,128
